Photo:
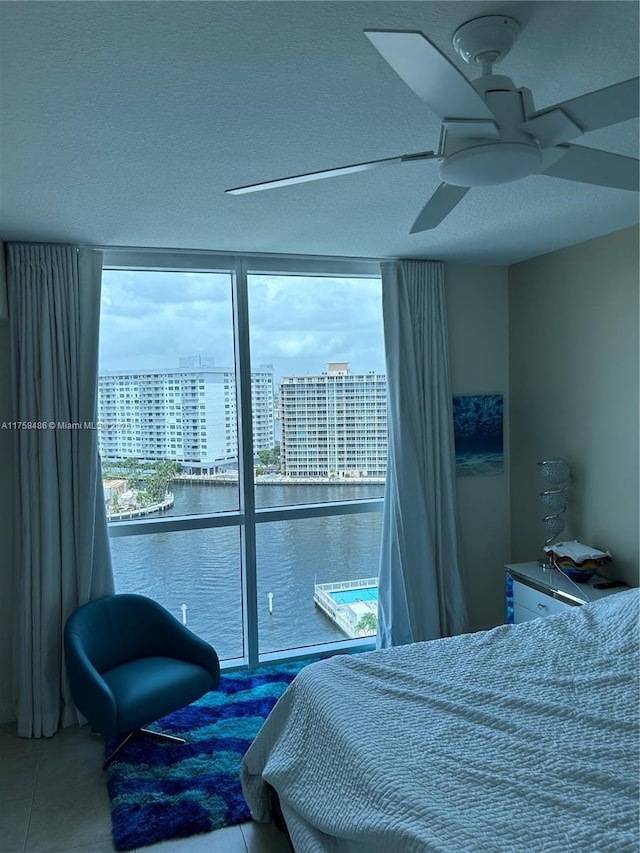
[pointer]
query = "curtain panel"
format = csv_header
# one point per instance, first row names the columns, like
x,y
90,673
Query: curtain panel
x,y
62,547
421,595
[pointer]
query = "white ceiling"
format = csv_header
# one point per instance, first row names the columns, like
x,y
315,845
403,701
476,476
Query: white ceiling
x,y
123,123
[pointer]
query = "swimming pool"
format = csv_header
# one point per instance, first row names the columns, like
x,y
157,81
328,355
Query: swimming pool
x,y
350,596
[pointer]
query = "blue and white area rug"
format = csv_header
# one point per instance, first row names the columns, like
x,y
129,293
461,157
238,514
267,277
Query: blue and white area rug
x,y
161,790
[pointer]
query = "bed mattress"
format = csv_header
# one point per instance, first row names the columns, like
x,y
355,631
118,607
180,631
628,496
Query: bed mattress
x,y
522,738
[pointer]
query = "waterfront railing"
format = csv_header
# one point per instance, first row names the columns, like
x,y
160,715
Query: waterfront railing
x,y
341,614
140,512
279,480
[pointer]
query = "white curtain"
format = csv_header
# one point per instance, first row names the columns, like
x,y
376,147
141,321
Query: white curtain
x,y
421,595
63,558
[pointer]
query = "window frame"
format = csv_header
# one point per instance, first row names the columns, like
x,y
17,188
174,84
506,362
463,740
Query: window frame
x,y
238,267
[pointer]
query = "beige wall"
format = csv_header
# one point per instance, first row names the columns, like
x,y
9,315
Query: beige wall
x,y
574,364
478,343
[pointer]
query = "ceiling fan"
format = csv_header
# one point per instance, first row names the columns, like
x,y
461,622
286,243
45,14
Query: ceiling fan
x,y
491,132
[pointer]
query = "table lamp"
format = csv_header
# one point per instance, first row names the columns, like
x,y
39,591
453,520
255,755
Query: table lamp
x,y
557,474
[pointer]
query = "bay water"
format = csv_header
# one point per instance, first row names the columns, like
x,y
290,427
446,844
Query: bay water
x,y
197,574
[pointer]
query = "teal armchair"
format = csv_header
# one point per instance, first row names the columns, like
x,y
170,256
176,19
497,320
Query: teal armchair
x,y
130,662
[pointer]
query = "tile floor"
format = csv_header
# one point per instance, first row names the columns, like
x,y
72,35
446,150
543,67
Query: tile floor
x,y
53,797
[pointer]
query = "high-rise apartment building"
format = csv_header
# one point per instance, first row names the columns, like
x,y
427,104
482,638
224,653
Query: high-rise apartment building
x,y
334,424
185,413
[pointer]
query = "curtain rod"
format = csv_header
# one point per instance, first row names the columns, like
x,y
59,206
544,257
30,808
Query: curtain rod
x,y
283,255
222,253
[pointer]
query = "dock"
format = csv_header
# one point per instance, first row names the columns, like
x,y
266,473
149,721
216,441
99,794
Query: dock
x,y
350,605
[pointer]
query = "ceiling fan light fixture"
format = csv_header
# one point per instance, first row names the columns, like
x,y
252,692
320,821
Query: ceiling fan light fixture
x,y
491,163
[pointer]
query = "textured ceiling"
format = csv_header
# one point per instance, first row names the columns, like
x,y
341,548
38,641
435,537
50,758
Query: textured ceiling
x,y
123,123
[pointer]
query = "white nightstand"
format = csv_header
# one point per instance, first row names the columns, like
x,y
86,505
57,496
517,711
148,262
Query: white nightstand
x,y
534,592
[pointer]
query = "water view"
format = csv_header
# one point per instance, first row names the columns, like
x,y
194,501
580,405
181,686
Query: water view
x,y
202,569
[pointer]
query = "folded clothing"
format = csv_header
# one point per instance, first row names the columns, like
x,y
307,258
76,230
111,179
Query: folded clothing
x,y
578,555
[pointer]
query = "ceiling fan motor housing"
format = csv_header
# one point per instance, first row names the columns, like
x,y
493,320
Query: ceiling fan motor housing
x,y
498,154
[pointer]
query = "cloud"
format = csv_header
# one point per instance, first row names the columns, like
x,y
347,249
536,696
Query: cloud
x,y
297,323
150,320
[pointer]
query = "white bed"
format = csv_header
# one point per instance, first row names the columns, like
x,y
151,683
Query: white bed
x,y
522,738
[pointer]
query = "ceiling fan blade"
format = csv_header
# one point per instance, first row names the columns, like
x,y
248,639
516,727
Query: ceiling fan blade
x,y
590,166
441,203
331,173
428,72
592,111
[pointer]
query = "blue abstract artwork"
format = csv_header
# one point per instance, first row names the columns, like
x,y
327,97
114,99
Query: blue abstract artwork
x,y
477,427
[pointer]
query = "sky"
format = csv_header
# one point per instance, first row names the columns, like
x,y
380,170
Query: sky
x,y
298,324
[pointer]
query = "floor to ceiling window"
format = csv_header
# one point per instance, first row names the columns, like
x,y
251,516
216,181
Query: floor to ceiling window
x,y
242,411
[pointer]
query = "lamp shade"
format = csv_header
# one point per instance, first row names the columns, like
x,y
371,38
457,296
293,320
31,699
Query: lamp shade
x,y
553,524
555,471
555,500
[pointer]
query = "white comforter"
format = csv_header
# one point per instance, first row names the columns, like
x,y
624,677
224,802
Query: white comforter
x,y
523,738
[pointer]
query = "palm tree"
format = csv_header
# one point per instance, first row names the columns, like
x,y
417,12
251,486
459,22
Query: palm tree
x,y
367,624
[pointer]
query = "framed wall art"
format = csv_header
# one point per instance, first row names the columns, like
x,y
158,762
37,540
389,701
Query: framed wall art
x,y
478,431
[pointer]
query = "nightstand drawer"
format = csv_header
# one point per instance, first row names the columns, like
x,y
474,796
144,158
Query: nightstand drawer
x,y
535,602
526,601
521,614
